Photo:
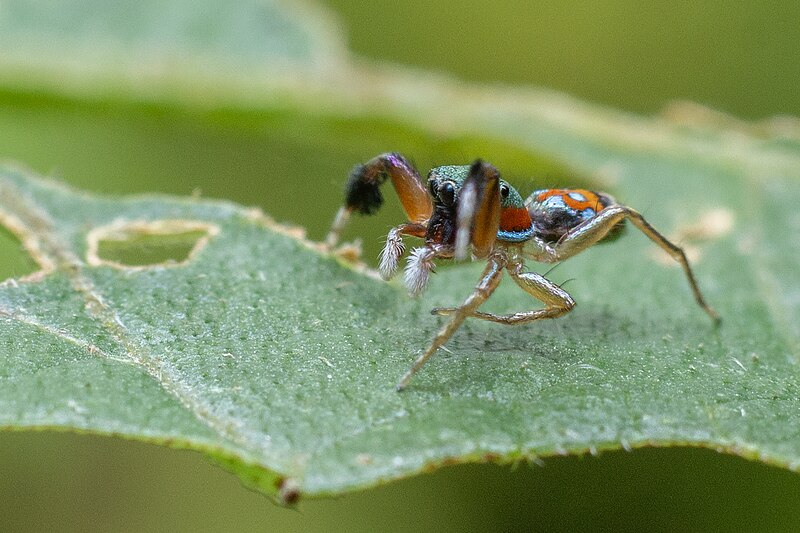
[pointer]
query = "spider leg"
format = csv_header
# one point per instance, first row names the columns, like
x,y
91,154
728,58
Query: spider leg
x,y
557,301
478,211
363,195
394,247
420,265
484,288
593,230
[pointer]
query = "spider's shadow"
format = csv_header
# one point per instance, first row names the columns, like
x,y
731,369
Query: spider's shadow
x,y
550,339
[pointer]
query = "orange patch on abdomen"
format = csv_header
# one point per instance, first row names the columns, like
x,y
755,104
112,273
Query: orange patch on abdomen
x,y
578,199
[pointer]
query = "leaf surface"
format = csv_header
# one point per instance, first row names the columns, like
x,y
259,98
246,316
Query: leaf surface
x,y
280,362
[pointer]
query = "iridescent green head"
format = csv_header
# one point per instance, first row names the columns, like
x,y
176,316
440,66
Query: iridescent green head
x,y
444,184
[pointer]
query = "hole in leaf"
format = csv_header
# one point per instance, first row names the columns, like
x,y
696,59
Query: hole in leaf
x,y
141,244
14,261
141,250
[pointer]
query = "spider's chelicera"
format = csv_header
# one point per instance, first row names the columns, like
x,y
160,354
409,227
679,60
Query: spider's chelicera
x,y
470,210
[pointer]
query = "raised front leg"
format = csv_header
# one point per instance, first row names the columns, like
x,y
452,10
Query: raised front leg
x,y
593,230
556,300
486,286
478,213
363,195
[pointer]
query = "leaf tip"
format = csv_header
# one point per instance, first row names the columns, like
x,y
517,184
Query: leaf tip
x,y
288,490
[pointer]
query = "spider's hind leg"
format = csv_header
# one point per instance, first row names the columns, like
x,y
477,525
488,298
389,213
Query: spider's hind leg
x,y
597,228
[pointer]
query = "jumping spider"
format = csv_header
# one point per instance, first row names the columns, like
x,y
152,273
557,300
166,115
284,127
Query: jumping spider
x,y
467,210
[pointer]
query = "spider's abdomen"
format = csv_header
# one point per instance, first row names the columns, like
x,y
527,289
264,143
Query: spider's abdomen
x,y
556,211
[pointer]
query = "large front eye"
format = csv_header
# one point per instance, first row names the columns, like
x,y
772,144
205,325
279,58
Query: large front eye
x,y
504,191
447,194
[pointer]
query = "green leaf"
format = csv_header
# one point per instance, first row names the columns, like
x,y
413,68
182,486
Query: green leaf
x,y
98,46
280,363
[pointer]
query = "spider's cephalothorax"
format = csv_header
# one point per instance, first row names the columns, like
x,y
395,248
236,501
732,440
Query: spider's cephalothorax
x,y
470,210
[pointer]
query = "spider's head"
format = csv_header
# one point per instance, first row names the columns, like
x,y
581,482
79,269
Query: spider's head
x,y
474,198
445,184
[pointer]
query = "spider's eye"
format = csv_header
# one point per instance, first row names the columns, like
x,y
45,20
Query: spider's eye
x,y
504,190
447,194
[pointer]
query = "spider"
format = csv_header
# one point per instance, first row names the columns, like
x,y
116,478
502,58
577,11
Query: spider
x,y
470,210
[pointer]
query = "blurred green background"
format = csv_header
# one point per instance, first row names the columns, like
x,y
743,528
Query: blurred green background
x,y
739,57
